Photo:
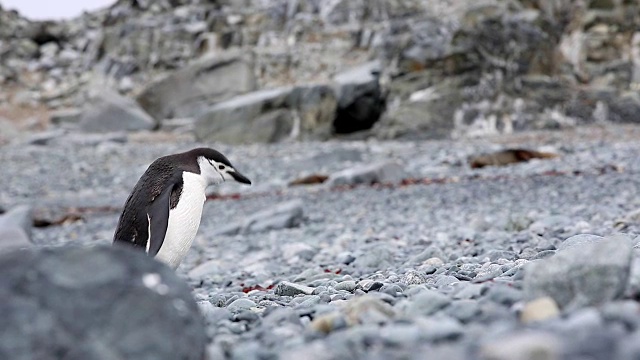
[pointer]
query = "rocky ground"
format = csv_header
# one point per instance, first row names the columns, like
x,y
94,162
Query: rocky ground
x,y
398,245
435,258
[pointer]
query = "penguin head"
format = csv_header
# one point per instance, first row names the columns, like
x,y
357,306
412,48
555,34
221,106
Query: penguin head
x,y
216,168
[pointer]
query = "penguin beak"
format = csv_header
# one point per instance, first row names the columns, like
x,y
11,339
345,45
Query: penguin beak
x,y
239,177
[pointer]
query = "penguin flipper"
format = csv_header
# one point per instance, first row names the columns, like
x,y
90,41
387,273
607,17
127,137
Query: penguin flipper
x,y
159,219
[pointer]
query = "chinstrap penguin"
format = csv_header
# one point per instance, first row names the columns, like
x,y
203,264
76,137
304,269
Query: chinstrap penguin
x,y
162,214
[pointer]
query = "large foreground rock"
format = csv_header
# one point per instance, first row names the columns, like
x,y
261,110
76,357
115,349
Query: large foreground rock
x,y
108,111
190,90
95,303
590,274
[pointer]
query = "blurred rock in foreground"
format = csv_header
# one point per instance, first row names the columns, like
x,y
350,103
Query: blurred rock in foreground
x,y
95,303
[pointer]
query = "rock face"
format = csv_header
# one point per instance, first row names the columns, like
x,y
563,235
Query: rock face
x,y
108,111
259,111
360,98
485,68
446,69
270,116
95,303
190,90
589,274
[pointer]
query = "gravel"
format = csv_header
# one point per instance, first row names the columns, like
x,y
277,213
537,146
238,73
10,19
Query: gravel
x,y
435,265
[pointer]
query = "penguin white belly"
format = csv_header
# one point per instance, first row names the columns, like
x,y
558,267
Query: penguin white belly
x,y
184,221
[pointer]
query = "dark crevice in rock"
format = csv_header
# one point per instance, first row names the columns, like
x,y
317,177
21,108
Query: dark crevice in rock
x,y
361,114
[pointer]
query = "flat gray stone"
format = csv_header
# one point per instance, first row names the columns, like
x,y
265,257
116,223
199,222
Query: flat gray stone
x,y
591,274
377,256
93,139
348,285
440,328
463,310
426,303
70,116
300,112
108,111
579,240
228,121
213,314
523,346
241,304
281,216
368,309
202,83
12,238
45,137
446,280
286,288
15,228
284,215
383,172
400,334
19,216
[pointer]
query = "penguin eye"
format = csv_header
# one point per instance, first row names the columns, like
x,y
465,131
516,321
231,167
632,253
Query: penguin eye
x,y
220,167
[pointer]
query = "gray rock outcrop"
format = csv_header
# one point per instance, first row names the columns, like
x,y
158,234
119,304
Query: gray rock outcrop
x,y
361,101
304,112
447,69
109,111
193,88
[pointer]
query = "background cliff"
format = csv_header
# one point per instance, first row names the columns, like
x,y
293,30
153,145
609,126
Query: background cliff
x,y
314,69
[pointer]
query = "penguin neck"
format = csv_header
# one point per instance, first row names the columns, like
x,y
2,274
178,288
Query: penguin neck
x,y
208,173
194,182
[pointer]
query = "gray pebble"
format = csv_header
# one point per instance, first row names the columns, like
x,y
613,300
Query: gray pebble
x,y
504,295
246,315
544,254
463,310
310,301
241,304
446,281
413,277
440,328
348,285
286,288
466,291
579,240
494,255
425,303
212,313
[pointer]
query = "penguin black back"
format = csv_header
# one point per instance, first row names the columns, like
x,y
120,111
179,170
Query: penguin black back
x,y
133,226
